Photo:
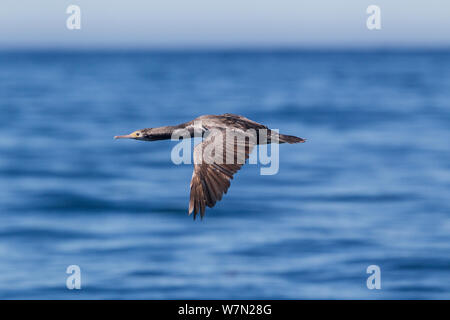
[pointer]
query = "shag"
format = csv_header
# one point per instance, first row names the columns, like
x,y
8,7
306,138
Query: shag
x,y
213,170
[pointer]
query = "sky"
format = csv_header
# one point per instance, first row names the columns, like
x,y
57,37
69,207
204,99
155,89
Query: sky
x,y
223,24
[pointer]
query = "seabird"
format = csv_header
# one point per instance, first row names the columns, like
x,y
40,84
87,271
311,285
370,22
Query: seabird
x,y
213,170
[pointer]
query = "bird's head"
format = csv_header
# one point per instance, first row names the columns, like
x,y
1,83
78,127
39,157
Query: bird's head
x,y
142,134
148,134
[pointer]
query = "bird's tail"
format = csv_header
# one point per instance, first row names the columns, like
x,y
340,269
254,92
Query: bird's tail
x,y
284,138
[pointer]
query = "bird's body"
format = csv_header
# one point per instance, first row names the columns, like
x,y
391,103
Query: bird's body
x,y
229,140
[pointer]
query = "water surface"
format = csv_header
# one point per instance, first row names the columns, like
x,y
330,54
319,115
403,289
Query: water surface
x,y
371,185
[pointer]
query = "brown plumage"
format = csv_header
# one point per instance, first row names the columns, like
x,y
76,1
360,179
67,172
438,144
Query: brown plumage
x,y
228,142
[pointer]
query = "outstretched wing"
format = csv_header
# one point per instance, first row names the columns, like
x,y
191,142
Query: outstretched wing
x,y
221,154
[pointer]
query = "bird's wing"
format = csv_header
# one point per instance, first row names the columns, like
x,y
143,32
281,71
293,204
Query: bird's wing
x,y
221,154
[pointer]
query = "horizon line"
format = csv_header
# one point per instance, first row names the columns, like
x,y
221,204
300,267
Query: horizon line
x,y
278,48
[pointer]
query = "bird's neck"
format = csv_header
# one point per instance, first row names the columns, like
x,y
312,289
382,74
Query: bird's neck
x,y
167,132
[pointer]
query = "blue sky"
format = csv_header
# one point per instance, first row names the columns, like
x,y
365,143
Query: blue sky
x,y
224,23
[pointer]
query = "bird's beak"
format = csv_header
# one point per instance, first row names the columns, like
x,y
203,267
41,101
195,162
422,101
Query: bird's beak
x,y
127,136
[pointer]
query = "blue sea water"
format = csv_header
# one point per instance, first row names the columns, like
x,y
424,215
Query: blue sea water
x,y
370,186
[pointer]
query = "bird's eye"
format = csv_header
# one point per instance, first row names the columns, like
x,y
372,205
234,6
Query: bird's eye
x,y
138,134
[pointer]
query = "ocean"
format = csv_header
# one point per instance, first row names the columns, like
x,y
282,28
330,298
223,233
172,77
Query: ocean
x,y
369,187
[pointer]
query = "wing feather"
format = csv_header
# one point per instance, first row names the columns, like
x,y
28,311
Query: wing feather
x,y
212,175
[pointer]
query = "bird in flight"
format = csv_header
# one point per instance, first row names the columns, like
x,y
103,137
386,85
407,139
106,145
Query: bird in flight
x,y
228,141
